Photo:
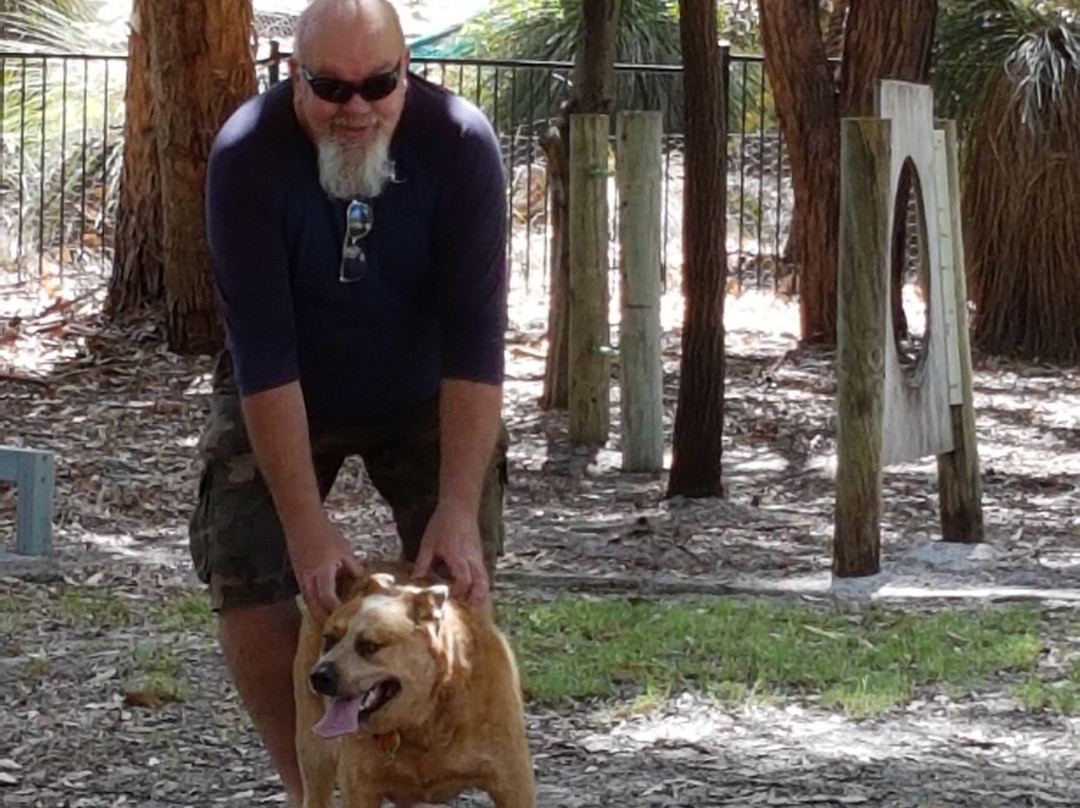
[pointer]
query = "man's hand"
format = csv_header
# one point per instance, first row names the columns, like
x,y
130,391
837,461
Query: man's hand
x,y
453,535
320,558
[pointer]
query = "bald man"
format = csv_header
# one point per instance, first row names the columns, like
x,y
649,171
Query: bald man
x,y
356,218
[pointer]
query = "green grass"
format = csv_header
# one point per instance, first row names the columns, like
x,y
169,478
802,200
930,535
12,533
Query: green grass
x,y
634,654
862,664
1061,695
156,672
14,615
189,611
88,607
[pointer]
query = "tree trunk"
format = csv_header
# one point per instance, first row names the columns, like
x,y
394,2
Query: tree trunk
x,y
194,59
556,393
699,417
137,276
593,91
883,39
594,60
802,87
202,68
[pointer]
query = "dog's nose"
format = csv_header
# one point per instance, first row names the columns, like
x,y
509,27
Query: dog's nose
x,y
324,679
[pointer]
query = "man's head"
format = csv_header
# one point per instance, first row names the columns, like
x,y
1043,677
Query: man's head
x,y
358,42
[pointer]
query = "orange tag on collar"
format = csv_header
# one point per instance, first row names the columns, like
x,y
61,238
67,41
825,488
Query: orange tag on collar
x,y
389,743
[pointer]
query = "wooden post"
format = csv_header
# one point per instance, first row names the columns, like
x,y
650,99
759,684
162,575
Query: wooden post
x,y
959,486
638,176
865,152
589,327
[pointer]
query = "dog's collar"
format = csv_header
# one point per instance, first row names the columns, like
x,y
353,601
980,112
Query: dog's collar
x,y
389,742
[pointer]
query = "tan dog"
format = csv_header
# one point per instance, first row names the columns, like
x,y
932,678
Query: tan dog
x,y
408,695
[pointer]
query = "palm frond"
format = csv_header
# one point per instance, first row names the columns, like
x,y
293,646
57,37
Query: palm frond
x,y
61,116
976,40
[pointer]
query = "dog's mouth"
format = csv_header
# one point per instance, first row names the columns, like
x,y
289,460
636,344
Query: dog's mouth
x,y
345,714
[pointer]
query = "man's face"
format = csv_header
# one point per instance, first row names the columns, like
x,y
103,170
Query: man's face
x,y
351,132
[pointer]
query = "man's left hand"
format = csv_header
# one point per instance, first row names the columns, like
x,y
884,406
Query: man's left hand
x,y
453,536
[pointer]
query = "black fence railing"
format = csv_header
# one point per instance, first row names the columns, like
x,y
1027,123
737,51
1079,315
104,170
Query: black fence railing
x,y
61,140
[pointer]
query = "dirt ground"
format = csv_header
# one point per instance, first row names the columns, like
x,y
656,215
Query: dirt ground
x,y
123,414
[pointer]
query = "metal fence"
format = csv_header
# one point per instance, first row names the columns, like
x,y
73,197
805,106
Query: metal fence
x,y
61,140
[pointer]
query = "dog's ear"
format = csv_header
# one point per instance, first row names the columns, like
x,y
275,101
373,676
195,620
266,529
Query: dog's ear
x,y
379,582
429,603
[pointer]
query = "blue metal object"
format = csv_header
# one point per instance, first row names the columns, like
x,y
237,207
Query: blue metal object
x,y
34,475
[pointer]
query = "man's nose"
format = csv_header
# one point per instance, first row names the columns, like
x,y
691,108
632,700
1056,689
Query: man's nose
x,y
357,105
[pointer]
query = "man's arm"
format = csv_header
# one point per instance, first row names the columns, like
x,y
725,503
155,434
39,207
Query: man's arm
x,y
469,421
276,421
471,290
470,417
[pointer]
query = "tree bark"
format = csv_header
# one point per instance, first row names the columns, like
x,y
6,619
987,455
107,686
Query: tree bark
x,y
556,393
803,89
593,91
885,39
203,68
594,60
699,416
137,276
194,60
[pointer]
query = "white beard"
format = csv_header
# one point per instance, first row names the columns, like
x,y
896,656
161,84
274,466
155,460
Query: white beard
x,y
355,171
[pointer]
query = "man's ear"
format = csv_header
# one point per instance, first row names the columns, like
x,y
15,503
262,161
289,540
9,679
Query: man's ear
x,y
429,604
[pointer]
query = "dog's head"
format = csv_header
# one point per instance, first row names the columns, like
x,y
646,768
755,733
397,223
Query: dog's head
x,y
380,664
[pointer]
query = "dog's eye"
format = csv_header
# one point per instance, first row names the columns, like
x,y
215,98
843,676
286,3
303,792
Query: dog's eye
x,y
366,648
328,642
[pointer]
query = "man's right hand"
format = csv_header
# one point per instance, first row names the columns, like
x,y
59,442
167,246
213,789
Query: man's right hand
x,y
321,557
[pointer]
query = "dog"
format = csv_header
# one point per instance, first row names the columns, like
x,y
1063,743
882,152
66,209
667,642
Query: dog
x,y
408,695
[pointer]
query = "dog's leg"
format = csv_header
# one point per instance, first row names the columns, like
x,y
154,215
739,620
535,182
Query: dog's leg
x,y
317,764
317,772
515,786
357,792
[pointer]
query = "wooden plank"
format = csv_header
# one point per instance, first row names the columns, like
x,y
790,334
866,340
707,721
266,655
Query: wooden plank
x,y
589,328
638,175
959,486
947,257
865,200
916,419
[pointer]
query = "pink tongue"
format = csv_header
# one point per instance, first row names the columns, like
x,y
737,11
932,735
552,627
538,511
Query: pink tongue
x,y
340,718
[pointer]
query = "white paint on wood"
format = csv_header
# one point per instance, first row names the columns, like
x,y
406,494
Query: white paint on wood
x,y
948,267
917,420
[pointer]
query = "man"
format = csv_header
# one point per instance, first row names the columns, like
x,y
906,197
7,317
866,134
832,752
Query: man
x,y
356,218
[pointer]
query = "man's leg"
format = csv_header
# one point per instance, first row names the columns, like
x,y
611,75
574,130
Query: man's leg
x,y
259,643
238,549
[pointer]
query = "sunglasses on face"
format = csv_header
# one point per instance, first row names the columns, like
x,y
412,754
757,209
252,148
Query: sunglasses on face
x,y
359,219
339,91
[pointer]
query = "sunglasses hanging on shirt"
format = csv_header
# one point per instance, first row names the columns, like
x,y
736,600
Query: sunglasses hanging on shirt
x,y
359,219
338,91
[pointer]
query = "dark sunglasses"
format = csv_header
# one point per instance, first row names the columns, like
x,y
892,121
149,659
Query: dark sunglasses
x,y
359,219
339,91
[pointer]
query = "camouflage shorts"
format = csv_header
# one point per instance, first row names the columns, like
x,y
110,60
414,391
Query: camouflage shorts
x,y
236,539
